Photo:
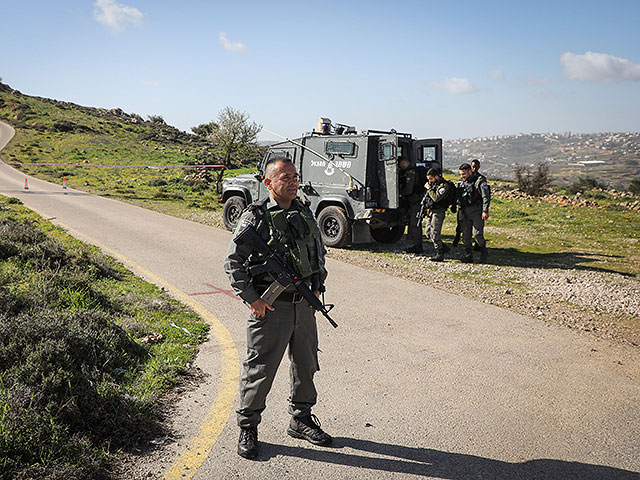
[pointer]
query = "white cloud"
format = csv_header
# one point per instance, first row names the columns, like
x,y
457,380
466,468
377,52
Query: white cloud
x,y
599,67
454,86
496,74
229,45
116,16
150,83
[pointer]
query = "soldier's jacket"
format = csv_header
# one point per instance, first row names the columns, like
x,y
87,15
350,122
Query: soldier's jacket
x,y
293,233
475,191
412,182
439,192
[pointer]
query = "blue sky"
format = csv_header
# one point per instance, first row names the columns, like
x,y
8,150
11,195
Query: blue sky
x,y
435,69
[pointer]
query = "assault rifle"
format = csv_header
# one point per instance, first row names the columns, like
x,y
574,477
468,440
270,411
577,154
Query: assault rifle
x,y
425,205
283,275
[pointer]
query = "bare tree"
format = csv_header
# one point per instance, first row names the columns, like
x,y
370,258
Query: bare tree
x,y
234,138
536,183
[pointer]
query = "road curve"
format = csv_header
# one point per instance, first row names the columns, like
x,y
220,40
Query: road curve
x,y
415,383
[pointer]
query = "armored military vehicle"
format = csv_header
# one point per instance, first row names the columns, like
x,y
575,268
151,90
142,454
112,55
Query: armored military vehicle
x,y
351,179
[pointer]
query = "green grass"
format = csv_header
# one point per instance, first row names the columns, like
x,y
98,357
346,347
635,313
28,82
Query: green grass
x,y
86,351
99,137
535,233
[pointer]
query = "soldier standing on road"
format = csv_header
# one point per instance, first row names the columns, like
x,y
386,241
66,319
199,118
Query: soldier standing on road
x,y
474,197
412,180
289,227
438,190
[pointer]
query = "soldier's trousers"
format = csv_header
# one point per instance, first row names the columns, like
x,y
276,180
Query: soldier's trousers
x,y
434,227
291,325
472,226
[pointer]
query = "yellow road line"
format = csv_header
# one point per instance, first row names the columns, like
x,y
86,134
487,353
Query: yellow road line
x,y
218,414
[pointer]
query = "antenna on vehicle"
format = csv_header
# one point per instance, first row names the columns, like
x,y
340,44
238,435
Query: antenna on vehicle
x,y
351,179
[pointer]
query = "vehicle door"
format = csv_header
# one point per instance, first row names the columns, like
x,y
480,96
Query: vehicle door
x,y
388,171
428,153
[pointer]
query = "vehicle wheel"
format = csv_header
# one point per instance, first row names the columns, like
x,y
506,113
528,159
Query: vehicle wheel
x,y
335,227
387,234
231,211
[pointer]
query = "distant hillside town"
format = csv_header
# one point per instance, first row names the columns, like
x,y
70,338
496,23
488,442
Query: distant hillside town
x,y
612,157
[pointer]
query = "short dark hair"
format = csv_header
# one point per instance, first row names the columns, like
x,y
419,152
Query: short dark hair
x,y
273,160
433,172
465,166
476,161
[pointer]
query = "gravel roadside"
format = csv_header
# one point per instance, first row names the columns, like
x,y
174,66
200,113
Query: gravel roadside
x,y
597,303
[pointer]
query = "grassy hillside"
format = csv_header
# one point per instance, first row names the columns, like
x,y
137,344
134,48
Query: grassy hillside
x,y
50,131
86,350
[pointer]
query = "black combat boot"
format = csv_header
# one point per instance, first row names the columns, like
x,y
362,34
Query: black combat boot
x,y
445,249
308,428
468,256
484,255
438,257
248,442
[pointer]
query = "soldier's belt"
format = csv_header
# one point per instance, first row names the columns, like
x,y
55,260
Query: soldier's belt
x,y
290,297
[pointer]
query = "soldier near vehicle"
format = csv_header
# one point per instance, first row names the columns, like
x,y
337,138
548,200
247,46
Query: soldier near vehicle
x,y
440,195
475,168
474,198
287,225
351,179
412,189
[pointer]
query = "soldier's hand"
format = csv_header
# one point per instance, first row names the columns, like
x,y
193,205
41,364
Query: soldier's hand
x,y
485,216
259,308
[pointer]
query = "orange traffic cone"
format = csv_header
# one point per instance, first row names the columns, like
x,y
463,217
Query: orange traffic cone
x,y
26,184
64,182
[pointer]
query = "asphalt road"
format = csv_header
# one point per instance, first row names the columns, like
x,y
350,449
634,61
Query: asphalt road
x,y
415,383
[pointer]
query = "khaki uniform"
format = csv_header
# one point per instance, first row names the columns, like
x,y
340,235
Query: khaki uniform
x,y
292,324
438,192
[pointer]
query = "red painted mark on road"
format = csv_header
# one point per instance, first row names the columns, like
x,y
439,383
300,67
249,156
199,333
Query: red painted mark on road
x,y
215,289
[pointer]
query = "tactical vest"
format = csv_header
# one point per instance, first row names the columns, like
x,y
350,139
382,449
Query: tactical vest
x,y
469,193
292,233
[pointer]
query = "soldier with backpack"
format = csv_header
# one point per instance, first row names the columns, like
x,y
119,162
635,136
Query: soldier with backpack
x,y
440,195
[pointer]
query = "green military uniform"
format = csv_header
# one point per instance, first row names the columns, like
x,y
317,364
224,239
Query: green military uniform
x,y
294,234
474,198
439,194
411,191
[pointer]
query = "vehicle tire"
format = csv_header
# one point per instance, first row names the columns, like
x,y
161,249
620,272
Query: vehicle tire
x,y
387,234
335,227
231,211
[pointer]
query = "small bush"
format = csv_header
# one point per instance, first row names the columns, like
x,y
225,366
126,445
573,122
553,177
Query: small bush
x,y
585,183
536,183
634,186
157,182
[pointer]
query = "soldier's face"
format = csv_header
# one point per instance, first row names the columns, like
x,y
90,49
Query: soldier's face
x,y
464,174
282,181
